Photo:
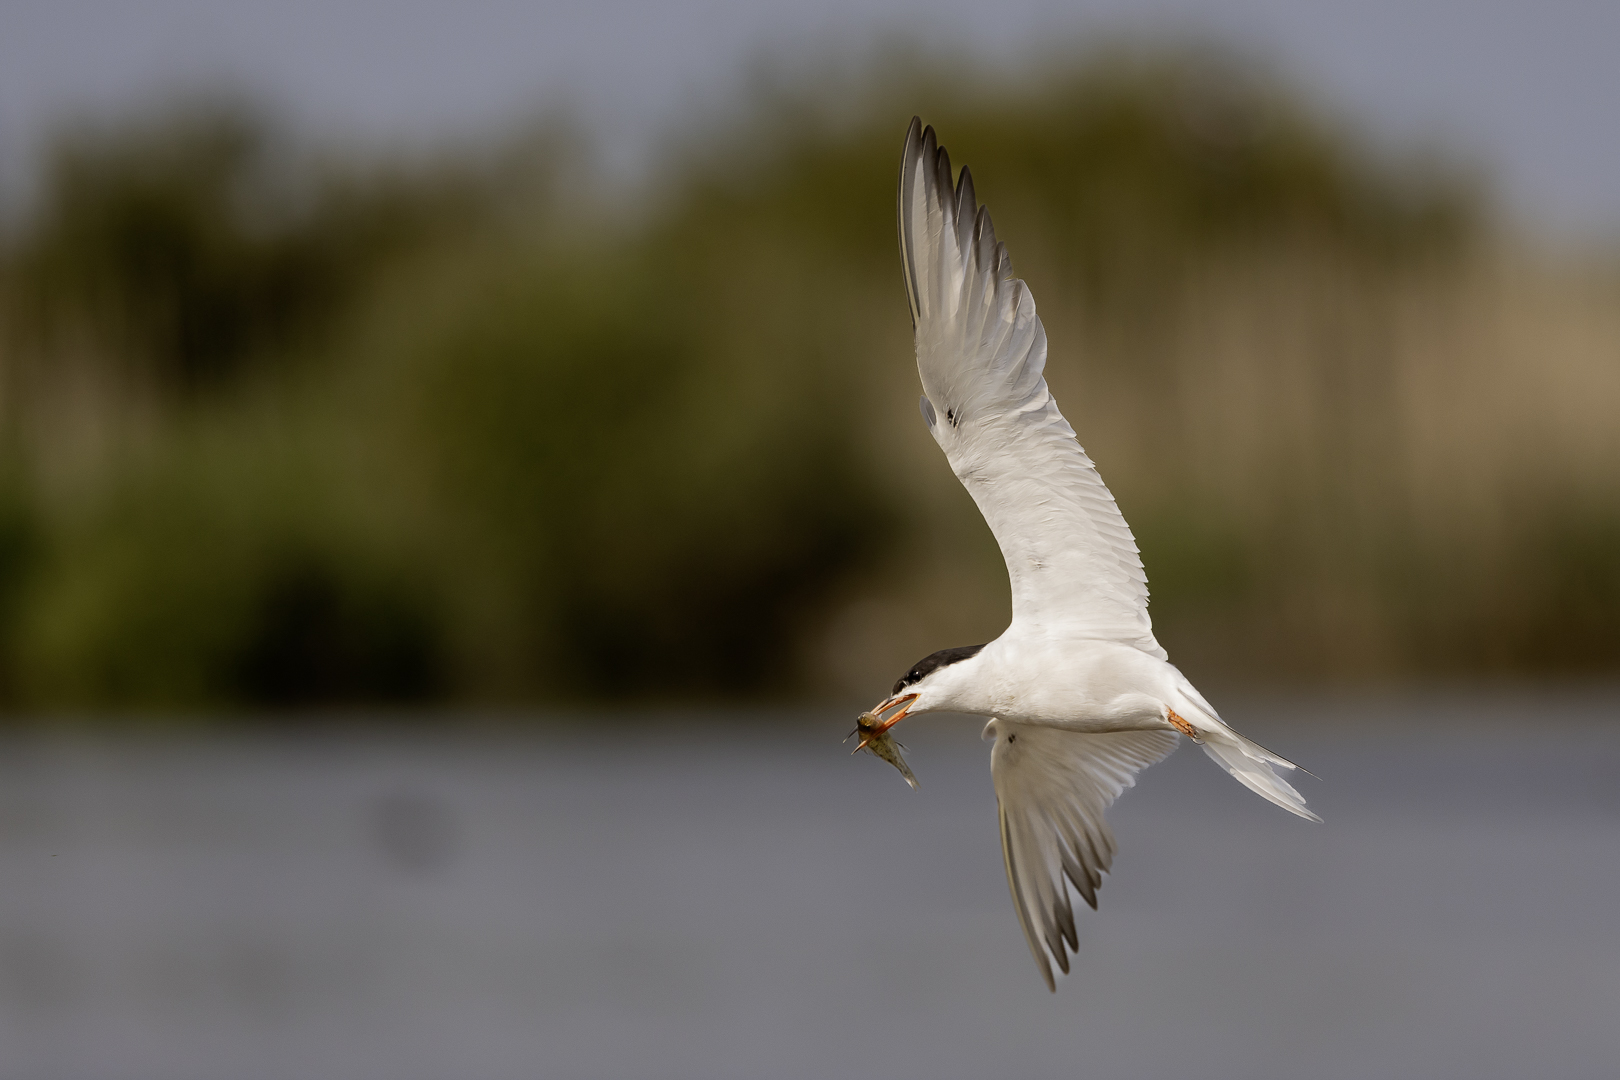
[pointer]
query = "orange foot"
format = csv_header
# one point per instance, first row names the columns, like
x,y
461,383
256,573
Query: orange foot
x,y
1182,726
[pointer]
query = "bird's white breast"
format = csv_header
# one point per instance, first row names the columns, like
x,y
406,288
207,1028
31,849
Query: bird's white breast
x,y
1082,683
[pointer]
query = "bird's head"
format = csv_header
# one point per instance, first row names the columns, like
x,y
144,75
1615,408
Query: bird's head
x,y
936,683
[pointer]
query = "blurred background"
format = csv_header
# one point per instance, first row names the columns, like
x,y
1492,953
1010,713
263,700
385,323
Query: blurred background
x,y
459,471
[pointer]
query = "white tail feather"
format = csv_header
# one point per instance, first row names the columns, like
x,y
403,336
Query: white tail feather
x,y
1250,765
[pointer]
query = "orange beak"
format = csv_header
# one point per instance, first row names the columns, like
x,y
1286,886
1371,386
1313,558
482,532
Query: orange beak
x,y
902,702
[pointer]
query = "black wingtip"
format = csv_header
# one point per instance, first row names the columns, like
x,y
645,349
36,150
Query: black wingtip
x,y
915,156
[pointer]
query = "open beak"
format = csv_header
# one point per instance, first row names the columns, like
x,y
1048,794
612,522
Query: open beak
x,y
902,703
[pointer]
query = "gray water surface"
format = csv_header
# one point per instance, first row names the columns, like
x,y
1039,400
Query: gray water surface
x,y
741,899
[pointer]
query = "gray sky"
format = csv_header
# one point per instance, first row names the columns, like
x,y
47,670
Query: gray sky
x,y
1529,90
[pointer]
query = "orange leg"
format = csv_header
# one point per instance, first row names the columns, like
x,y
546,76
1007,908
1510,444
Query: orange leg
x,y
1182,726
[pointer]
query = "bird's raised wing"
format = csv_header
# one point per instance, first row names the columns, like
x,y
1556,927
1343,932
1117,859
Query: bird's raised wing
x,y
1072,561
1052,786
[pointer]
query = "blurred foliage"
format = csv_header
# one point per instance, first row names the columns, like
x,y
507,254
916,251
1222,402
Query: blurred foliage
x,y
177,249
287,431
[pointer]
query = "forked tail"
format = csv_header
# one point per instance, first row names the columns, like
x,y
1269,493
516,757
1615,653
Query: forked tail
x,y
1251,765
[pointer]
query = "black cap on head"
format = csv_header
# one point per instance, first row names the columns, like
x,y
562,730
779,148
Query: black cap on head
x,y
933,662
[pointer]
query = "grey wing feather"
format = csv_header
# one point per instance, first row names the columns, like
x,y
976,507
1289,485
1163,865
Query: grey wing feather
x,y
1052,787
981,350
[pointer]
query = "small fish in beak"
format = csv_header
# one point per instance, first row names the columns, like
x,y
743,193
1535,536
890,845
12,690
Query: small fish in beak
x,y
875,738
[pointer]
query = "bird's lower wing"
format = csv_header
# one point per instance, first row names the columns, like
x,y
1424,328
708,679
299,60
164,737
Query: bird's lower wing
x,y
1052,786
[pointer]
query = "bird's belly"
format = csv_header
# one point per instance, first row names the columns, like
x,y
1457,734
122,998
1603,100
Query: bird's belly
x,y
1098,687
1145,714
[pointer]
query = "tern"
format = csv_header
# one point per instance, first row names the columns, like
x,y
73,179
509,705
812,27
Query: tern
x,y
1080,695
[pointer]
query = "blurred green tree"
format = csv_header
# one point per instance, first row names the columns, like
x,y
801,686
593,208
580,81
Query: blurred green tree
x,y
467,431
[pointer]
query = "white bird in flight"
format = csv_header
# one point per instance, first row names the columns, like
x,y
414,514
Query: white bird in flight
x,y
1081,695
